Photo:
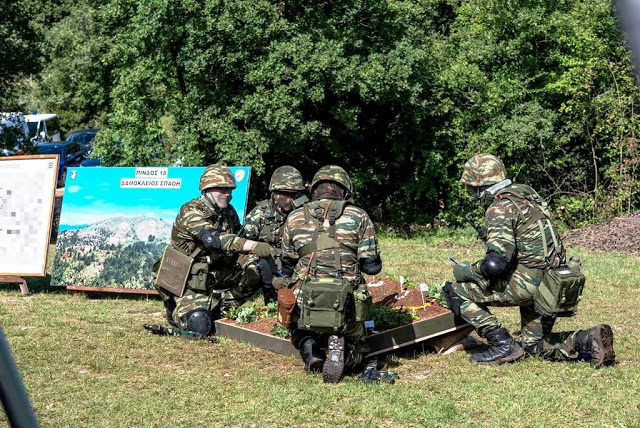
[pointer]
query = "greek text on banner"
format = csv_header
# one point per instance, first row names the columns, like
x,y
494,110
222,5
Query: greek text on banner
x,y
146,183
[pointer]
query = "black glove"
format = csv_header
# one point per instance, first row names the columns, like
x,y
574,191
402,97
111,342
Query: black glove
x,y
370,375
210,238
263,250
156,329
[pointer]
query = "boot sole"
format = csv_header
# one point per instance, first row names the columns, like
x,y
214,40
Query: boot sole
x,y
333,367
604,335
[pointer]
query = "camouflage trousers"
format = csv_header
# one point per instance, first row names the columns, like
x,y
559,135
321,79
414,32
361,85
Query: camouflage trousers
x,y
517,290
232,285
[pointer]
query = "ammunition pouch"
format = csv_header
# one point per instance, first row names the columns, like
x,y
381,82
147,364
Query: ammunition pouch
x,y
324,304
174,271
559,292
198,277
286,307
363,301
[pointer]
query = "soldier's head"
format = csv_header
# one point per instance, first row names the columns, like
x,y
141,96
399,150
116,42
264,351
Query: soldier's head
x,y
285,186
481,172
216,184
331,182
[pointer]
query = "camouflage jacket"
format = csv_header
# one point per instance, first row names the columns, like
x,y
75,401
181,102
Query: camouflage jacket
x,y
264,223
512,229
354,231
196,215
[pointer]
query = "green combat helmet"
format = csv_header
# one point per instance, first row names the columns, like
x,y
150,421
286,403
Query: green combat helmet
x,y
333,173
483,170
217,176
286,178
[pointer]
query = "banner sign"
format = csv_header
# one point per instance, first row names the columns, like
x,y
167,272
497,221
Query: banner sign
x,y
27,194
115,222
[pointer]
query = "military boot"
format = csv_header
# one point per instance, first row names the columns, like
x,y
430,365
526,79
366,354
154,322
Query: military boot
x,y
502,348
309,351
334,364
598,342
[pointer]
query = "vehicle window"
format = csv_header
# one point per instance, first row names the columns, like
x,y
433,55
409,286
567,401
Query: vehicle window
x,y
33,129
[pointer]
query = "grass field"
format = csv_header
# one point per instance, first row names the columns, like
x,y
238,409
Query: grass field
x,y
86,361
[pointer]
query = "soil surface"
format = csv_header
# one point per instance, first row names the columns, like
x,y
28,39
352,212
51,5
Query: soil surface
x,y
618,235
263,325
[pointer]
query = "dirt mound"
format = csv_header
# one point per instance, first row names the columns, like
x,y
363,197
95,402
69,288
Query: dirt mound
x,y
618,235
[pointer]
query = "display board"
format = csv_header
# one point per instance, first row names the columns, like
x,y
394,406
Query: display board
x,y
27,194
115,223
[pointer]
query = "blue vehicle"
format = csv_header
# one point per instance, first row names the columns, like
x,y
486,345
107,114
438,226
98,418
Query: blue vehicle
x,y
70,154
83,136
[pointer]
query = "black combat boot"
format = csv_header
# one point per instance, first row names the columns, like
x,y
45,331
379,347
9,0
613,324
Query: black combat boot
x,y
309,351
598,342
502,348
334,364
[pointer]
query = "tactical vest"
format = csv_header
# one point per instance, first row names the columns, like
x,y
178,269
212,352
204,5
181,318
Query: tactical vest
x,y
325,300
272,230
561,287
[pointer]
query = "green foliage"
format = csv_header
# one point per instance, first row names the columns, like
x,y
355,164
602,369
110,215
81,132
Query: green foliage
x,y
247,314
400,92
232,312
280,331
386,318
435,292
272,310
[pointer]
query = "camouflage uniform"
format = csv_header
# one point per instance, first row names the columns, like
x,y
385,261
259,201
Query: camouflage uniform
x,y
356,234
223,268
264,223
514,235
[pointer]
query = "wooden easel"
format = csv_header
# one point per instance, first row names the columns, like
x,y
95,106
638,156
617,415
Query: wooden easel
x,y
13,279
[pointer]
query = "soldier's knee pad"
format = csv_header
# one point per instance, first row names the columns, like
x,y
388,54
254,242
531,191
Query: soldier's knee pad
x,y
199,321
453,299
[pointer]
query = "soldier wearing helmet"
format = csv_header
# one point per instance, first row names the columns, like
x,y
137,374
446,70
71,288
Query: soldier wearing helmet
x,y
522,243
331,243
205,230
264,223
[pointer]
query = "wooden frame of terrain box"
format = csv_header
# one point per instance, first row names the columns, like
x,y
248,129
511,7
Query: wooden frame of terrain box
x,y
440,326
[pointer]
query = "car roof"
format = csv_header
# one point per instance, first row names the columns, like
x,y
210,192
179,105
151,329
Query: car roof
x,y
39,117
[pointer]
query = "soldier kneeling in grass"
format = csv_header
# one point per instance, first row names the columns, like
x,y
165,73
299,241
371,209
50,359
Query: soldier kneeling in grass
x,y
525,265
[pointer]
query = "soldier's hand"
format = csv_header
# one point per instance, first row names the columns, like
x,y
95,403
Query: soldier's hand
x,y
280,282
263,250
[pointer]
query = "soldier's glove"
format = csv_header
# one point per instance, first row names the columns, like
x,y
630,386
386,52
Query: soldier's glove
x,y
156,329
280,282
263,250
210,238
463,272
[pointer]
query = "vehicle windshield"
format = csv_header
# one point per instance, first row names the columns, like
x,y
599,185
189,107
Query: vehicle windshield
x,y
81,137
49,150
33,129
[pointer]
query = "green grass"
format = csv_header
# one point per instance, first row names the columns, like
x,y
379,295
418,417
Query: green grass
x,y
87,361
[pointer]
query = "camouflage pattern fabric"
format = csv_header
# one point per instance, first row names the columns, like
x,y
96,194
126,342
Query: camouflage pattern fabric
x,y
226,269
333,173
511,234
354,230
286,178
483,170
264,223
217,176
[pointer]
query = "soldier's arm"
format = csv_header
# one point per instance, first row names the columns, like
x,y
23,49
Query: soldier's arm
x,y
500,224
252,225
289,253
368,248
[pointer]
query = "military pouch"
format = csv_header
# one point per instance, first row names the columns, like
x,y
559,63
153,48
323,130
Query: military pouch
x,y
173,272
324,304
559,292
198,277
363,301
286,306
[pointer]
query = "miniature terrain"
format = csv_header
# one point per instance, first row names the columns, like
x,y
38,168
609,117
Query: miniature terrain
x,y
406,304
